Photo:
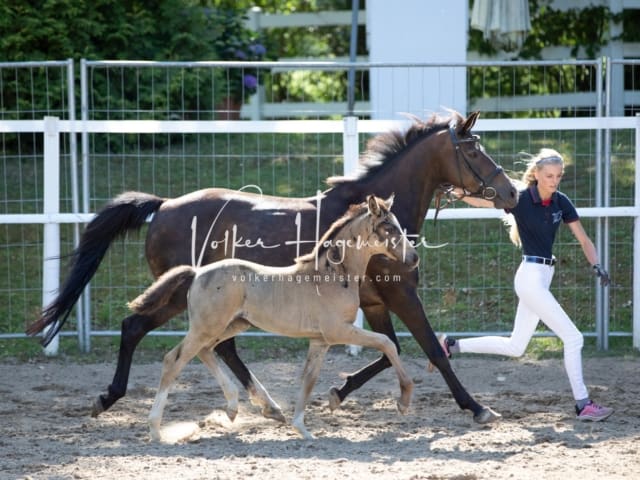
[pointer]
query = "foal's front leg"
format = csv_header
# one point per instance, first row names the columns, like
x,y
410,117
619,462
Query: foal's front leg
x,y
315,355
352,335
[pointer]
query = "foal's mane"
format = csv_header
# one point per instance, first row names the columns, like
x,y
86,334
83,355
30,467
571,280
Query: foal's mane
x,y
384,148
325,242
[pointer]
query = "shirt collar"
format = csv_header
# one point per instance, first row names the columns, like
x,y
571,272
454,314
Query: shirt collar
x,y
535,196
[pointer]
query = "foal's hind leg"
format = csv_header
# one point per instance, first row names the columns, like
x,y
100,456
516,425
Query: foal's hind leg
x,y
229,388
258,395
173,363
315,355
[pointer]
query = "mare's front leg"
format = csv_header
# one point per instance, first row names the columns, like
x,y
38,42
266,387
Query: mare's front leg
x,y
405,303
315,355
402,298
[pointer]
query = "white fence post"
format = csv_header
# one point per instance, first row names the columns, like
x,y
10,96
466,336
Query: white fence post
x,y
51,240
351,154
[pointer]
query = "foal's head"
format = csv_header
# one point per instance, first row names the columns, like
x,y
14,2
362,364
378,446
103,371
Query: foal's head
x,y
371,226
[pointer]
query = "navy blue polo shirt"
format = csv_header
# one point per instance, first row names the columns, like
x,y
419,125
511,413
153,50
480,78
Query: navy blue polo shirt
x,y
538,223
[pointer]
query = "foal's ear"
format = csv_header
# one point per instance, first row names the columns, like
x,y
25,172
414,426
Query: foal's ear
x,y
470,121
389,201
372,204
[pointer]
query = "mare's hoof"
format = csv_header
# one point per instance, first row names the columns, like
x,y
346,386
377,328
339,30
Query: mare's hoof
x,y
486,415
334,399
272,413
97,407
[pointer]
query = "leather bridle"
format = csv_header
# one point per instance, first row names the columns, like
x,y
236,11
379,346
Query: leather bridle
x,y
485,190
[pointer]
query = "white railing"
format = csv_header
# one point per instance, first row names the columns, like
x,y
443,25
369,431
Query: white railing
x,y
350,127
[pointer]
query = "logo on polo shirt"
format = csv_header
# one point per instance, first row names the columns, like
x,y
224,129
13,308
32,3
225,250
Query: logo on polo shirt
x,y
557,216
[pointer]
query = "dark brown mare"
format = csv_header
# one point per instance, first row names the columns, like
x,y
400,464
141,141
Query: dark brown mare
x,y
208,225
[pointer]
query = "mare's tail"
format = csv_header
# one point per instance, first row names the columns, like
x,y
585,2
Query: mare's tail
x,y
127,211
171,283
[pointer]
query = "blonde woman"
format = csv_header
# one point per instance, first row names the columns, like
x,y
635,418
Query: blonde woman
x,y
535,220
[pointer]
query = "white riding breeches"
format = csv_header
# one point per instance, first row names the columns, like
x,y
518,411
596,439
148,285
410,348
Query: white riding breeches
x,y
532,281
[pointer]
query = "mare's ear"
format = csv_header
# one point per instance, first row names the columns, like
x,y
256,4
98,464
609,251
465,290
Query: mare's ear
x,y
372,204
470,121
389,201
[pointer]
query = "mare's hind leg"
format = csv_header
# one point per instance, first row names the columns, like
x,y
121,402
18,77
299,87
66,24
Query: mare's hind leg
x,y
229,388
315,355
133,329
173,363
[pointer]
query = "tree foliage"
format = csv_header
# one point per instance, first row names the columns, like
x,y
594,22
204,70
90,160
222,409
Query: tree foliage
x,y
192,30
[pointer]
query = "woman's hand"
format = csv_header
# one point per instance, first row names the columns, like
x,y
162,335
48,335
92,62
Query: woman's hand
x,y
602,274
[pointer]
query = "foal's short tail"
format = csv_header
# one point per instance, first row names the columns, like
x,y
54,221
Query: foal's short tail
x,y
175,282
126,212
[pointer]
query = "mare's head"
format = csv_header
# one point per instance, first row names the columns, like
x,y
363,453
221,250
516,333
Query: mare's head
x,y
469,167
367,226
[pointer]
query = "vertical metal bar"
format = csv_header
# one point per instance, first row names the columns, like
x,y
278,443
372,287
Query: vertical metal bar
x,y
51,235
75,194
606,192
353,50
636,245
84,113
602,299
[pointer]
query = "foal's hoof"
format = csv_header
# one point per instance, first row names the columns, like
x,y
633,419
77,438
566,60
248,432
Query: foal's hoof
x,y
402,408
231,413
274,414
334,399
486,415
97,407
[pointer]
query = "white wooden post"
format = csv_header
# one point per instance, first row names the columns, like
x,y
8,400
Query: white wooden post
x,y
350,165
51,240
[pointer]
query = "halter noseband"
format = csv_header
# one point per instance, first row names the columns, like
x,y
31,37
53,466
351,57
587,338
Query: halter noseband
x,y
485,190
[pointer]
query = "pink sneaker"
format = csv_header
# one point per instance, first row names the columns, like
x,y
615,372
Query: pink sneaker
x,y
592,412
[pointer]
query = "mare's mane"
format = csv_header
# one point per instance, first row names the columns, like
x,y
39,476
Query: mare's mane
x,y
385,147
326,241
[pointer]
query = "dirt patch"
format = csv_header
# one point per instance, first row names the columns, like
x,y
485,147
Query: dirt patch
x,y
47,432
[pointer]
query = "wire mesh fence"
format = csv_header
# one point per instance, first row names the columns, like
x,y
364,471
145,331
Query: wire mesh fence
x,y
466,279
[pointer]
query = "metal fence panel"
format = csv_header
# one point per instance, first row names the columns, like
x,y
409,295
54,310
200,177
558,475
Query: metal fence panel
x,y
467,287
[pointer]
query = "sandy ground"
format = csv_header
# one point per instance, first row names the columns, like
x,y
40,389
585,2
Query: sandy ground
x,y
47,432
